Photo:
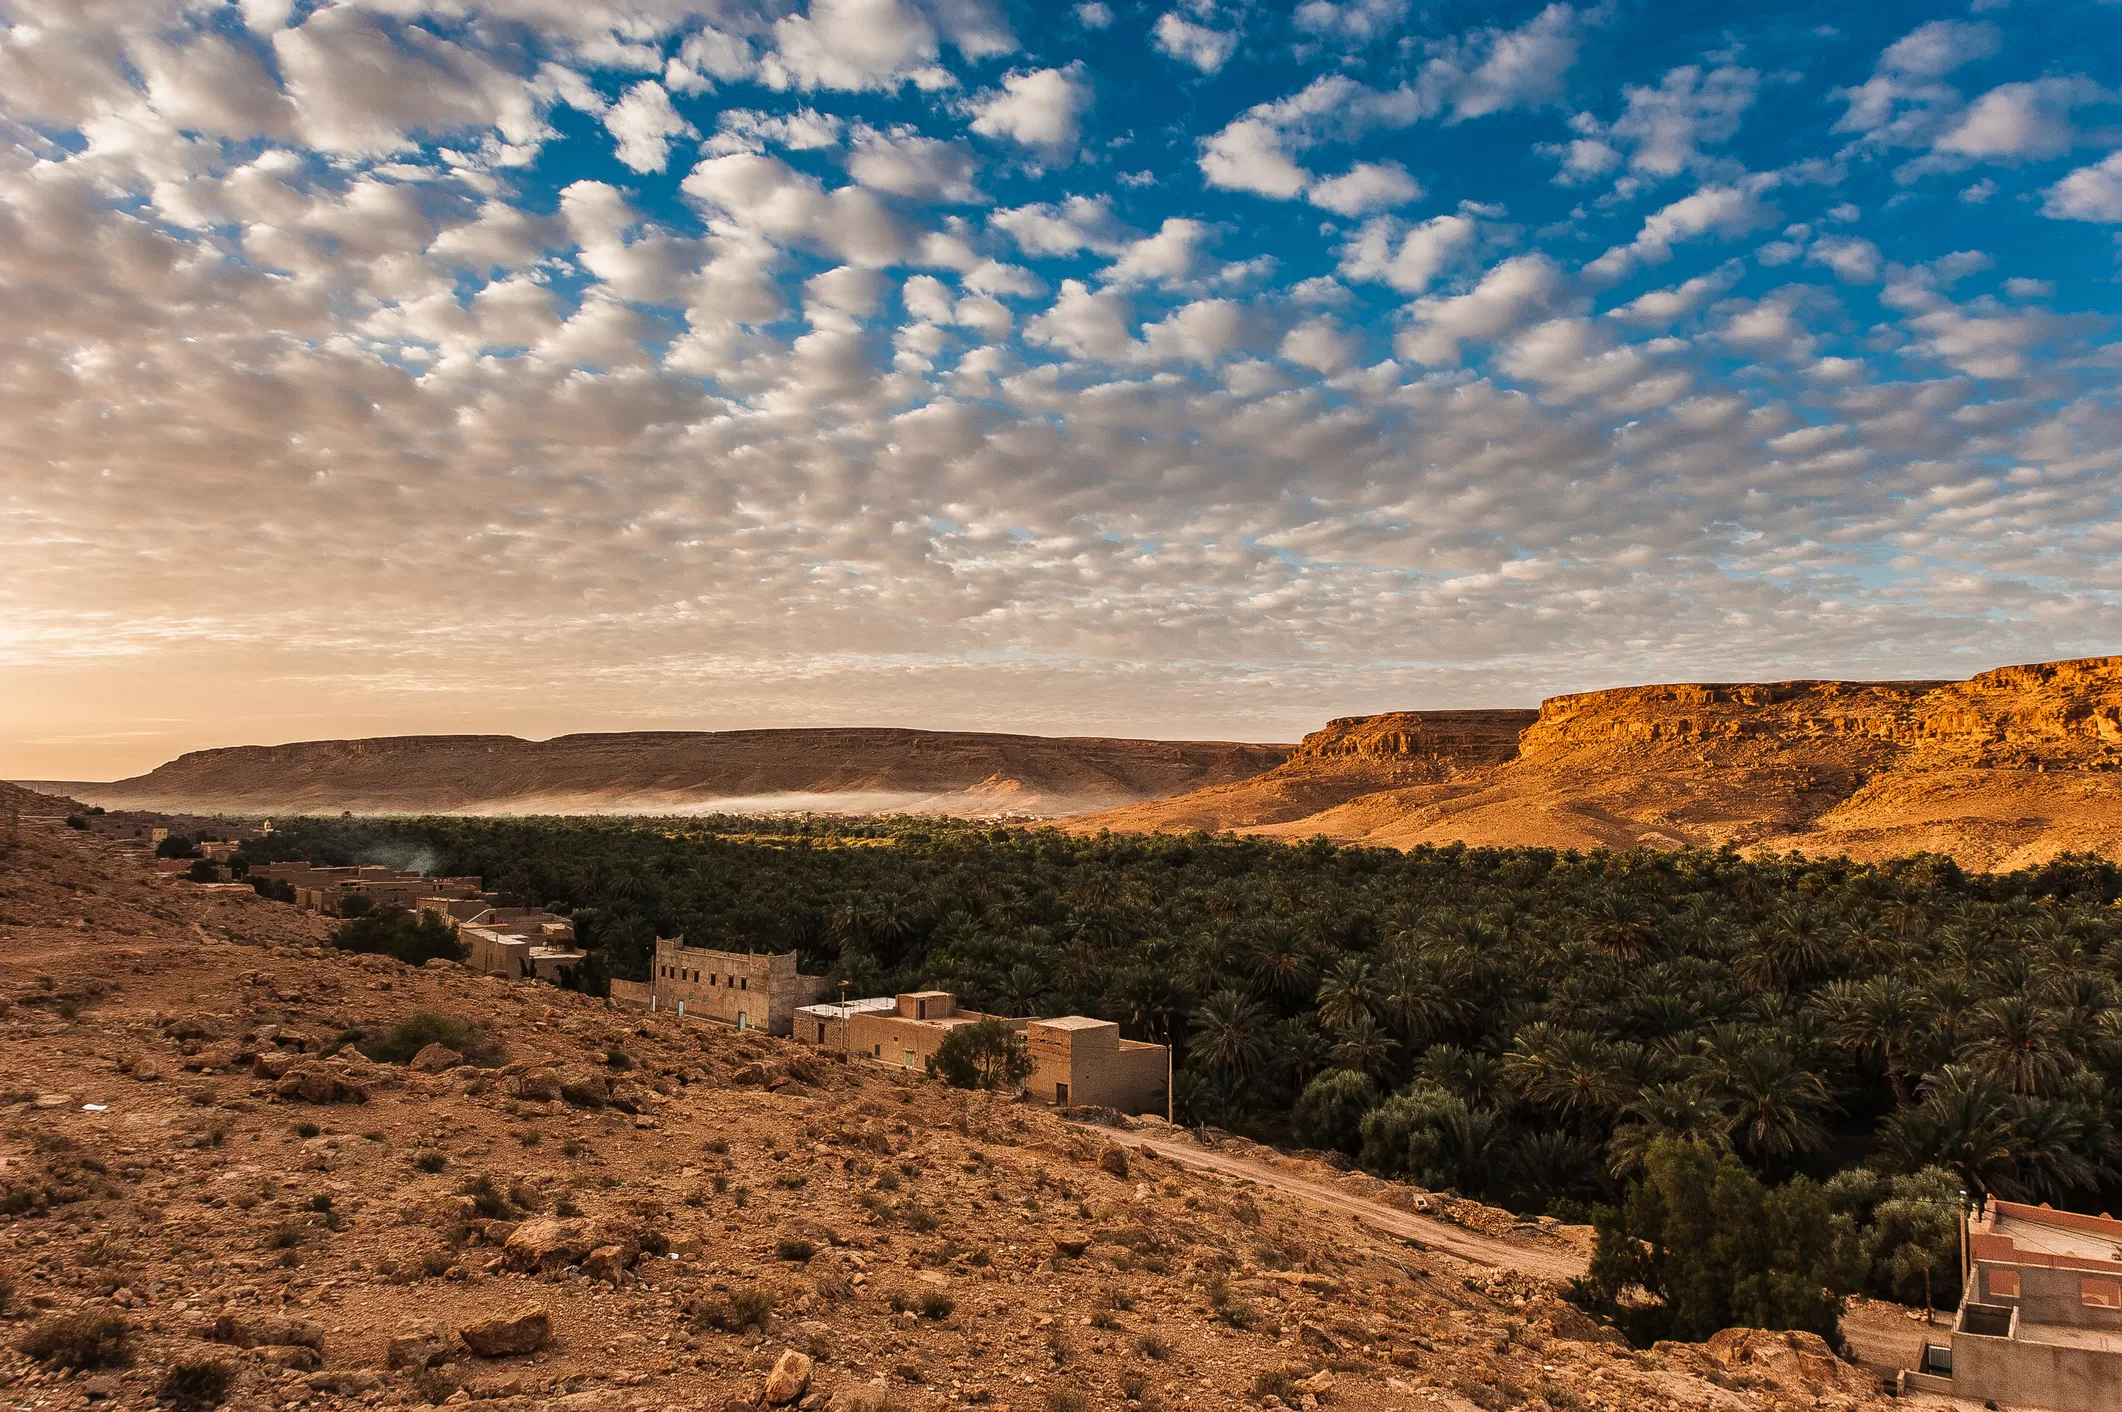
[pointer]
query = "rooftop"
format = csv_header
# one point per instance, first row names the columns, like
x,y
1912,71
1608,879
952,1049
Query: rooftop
x,y
1074,1022
2066,1235
837,1011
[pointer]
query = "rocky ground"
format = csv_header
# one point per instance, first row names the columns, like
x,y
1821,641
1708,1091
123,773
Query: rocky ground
x,y
202,1200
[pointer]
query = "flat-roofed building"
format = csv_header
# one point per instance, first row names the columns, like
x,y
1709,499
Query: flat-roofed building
x,y
1075,1059
520,943
748,989
2040,1324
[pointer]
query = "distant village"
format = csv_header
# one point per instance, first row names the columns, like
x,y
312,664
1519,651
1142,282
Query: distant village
x,y
1075,1059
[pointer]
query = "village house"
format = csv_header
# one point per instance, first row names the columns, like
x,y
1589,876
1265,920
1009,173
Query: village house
x,y
2041,1322
747,989
323,889
520,943
1075,1059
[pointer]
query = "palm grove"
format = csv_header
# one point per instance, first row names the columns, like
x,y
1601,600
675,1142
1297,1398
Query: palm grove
x,y
1814,1059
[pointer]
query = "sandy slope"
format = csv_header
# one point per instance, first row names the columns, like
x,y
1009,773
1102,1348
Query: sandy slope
x,y
959,1249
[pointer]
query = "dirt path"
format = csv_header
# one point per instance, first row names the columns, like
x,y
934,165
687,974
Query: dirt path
x,y
1452,1240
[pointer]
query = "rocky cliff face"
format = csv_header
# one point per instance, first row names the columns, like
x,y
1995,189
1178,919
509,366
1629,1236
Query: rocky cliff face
x,y
2006,768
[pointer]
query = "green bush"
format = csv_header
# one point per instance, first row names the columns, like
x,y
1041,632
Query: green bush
x,y
1714,1248
1330,1111
399,1043
397,932
987,1054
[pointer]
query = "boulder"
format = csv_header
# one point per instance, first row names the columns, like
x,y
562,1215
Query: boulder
x,y
346,1382
309,1084
263,1330
272,1066
1314,1337
547,1244
536,1085
434,1058
608,1263
147,1069
295,1357
789,1380
524,1329
1788,1355
1114,1160
1072,1242
422,1345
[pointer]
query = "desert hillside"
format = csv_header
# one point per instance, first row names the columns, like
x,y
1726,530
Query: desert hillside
x,y
853,770
2009,767
205,1199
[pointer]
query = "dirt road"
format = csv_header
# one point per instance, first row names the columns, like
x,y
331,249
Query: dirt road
x,y
1558,1266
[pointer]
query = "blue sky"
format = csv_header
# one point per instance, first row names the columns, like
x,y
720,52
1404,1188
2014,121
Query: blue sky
x,y
1170,369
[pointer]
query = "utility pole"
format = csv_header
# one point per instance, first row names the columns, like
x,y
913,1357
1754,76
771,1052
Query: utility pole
x,y
846,1040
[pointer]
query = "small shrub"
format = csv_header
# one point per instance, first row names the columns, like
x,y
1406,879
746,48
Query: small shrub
x,y
399,1043
1275,1383
530,1137
935,1304
1150,1346
307,1130
430,1161
1058,1345
794,1248
80,1341
919,1217
618,1058
195,1384
741,1309
715,1145
1116,1297
1104,1319
435,1264
1067,1400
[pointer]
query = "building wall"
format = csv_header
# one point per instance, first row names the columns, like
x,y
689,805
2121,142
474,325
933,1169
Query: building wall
x,y
724,985
1098,1067
2035,1374
632,992
2049,1295
899,1041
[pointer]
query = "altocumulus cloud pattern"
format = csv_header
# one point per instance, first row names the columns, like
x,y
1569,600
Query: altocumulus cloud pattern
x,y
1168,368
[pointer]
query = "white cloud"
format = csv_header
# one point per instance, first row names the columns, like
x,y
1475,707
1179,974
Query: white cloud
x,y
749,130
1854,259
1085,324
1726,209
2018,122
1408,259
905,163
855,44
1663,129
1076,223
1510,296
1358,21
2091,193
1180,38
1364,188
1094,14
1041,108
765,195
1170,257
1319,344
1491,70
644,125
1248,155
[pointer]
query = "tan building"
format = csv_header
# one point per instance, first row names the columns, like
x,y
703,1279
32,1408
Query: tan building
x,y
748,989
322,889
2041,1323
1075,1059
520,943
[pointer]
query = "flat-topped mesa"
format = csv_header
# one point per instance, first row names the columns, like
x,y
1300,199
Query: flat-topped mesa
x,y
1422,741
2063,713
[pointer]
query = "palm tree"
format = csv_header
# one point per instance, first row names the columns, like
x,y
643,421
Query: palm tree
x,y
1347,991
1672,1110
1230,1034
1771,1104
2013,1041
1572,1072
1363,1045
1877,1020
1278,962
1961,1121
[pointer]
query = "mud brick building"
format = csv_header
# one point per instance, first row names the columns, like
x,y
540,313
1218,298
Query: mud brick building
x,y
520,943
750,990
1075,1059
2041,1323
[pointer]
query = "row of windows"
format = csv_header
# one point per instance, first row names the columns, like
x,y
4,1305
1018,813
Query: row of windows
x,y
2092,1292
679,973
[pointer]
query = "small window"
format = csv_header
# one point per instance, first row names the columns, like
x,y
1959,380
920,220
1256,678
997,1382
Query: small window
x,y
2100,1294
876,1051
2003,1284
745,984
